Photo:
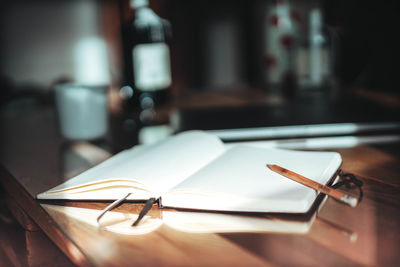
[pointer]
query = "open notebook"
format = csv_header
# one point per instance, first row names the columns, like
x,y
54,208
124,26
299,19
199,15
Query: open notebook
x,y
194,170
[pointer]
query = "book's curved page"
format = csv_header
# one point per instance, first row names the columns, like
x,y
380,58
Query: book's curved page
x,y
146,171
190,222
209,222
240,181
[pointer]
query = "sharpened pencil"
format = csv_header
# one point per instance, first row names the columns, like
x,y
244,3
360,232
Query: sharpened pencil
x,y
349,200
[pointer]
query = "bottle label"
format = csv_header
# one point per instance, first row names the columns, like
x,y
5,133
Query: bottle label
x,y
151,66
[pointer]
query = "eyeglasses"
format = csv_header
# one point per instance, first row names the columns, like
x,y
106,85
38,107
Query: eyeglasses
x,y
351,182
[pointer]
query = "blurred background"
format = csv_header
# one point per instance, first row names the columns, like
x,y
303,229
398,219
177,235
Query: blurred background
x,y
215,44
223,54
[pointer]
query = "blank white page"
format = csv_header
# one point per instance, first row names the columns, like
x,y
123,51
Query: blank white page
x,y
240,181
159,166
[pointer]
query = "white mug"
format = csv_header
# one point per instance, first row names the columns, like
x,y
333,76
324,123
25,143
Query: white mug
x,y
82,111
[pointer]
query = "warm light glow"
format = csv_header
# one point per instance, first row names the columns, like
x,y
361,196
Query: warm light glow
x,y
116,222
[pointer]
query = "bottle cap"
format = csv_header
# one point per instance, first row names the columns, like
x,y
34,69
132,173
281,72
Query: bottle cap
x,y
139,3
315,18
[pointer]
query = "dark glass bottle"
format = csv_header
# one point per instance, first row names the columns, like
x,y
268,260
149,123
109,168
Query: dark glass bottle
x,y
147,82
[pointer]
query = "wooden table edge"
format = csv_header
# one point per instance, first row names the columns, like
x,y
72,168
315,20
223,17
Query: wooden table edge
x,y
39,216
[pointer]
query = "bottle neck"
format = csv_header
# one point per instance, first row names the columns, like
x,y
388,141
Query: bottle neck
x,y
137,9
135,4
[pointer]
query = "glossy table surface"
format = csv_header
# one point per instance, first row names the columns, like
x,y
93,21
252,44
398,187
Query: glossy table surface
x,y
35,159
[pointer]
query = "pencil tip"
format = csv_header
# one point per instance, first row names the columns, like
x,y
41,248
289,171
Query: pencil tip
x,y
272,166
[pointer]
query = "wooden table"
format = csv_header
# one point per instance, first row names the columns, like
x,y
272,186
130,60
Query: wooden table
x,y
31,153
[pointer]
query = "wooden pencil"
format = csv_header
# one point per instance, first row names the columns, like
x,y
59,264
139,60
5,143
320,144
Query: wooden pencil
x,y
349,200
